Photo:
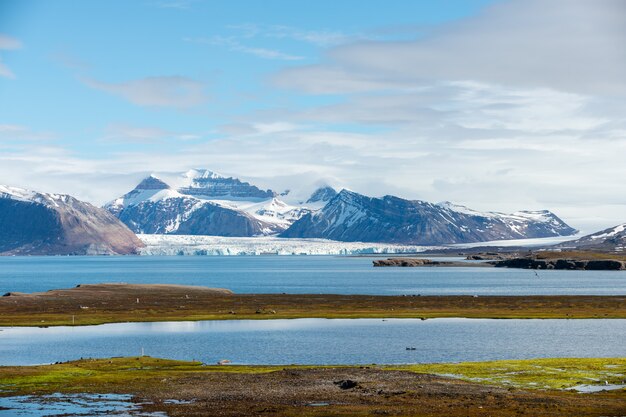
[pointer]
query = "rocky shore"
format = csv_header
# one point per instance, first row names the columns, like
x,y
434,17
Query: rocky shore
x,y
540,260
567,264
409,262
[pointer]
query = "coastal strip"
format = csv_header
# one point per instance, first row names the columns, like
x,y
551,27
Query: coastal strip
x,y
113,303
537,387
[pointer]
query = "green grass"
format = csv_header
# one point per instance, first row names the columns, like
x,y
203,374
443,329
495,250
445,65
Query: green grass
x,y
536,373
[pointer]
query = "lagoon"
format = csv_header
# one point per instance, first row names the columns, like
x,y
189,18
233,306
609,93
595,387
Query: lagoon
x,y
320,341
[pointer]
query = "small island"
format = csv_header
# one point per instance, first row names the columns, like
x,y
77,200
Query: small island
x,y
574,260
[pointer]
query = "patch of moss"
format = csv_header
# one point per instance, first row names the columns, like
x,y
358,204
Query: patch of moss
x,y
130,374
558,373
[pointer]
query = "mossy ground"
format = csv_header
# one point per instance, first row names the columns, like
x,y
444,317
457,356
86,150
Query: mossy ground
x,y
535,373
94,375
493,388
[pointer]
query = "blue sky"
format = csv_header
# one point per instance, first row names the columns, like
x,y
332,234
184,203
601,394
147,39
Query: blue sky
x,y
496,105
229,49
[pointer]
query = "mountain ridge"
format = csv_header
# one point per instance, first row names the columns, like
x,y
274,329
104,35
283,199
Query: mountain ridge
x,y
612,239
345,215
350,216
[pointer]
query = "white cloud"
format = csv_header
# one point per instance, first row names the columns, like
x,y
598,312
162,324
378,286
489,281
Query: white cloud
x,y
5,71
174,4
167,91
321,37
517,172
575,46
8,43
234,45
17,133
521,107
143,134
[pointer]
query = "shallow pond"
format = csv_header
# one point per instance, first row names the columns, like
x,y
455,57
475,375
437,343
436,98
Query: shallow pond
x,y
72,405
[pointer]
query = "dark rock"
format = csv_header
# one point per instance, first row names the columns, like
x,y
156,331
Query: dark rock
x,y
605,265
347,384
406,262
211,185
563,264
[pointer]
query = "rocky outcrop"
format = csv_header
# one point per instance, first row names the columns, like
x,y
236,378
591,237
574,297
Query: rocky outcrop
x,y
569,264
33,223
406,262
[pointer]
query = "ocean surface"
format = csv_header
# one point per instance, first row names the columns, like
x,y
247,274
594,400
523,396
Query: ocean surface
x,y
320,341
299,274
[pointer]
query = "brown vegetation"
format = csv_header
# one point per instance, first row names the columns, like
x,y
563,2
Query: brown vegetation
x,y
107,303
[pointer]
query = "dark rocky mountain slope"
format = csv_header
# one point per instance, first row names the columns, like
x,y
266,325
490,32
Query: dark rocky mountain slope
x,y
350,216
33,223
612,239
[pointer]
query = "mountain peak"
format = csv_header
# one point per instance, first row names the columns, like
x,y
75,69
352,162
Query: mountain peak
x,y
195,174
208,184
15,193
322,194
152,183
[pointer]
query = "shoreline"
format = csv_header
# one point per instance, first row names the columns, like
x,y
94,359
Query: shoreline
x,y
114,303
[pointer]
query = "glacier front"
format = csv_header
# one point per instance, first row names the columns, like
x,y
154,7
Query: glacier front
x,y
265,245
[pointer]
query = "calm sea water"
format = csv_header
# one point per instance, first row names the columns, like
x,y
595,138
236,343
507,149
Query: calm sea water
x,y
298,274
321,341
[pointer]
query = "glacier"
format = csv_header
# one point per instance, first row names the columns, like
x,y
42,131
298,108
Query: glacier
x,y
168,245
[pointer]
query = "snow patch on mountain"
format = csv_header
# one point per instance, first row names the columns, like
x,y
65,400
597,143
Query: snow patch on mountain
x,y
15,193
609,232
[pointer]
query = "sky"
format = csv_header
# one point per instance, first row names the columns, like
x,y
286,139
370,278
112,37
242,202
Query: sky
x,y
497,105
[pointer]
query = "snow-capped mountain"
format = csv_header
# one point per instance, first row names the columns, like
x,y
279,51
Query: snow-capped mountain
x,y
352,217
202,202
33,223
210,185
612,239
205,203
